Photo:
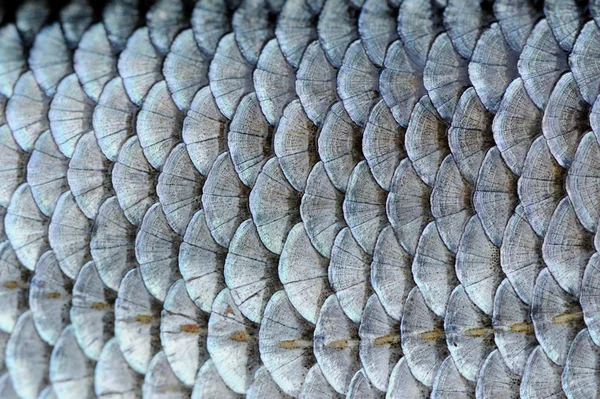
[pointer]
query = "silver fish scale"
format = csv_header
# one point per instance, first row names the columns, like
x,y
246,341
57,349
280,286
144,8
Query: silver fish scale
x,y
300,198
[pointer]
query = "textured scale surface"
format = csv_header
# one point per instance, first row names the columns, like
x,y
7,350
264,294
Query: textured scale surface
x,y
312,199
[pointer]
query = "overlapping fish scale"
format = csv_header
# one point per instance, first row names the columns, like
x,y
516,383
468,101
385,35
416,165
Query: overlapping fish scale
x,y
299,198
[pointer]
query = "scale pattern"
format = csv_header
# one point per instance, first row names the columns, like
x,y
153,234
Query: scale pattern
x,y
300,198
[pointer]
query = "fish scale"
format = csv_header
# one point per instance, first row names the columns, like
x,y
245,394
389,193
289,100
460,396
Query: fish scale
x,y
299,198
